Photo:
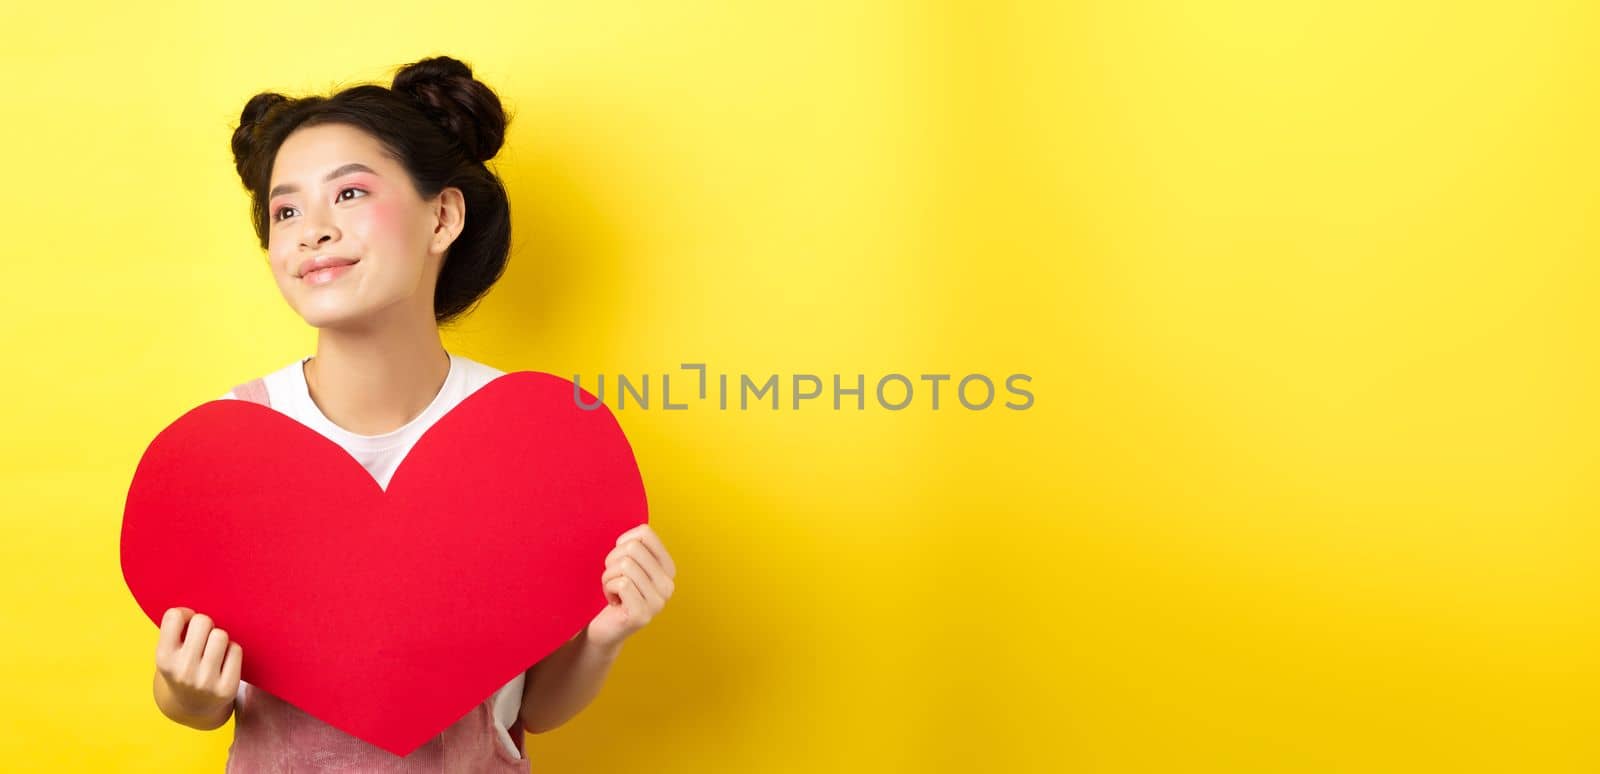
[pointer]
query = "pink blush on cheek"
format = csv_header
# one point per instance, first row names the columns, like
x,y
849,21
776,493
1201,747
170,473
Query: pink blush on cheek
x,y
382,218
383,225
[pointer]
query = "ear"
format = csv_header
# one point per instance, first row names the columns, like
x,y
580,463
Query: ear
x,y
450,216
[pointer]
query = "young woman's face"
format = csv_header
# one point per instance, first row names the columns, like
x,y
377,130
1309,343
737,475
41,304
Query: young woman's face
x,y
321,204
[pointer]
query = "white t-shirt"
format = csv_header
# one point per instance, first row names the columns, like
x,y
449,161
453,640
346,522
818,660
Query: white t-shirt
x,y
381,455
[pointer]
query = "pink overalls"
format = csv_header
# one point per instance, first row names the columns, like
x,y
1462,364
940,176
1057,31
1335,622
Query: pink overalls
x,y
272,736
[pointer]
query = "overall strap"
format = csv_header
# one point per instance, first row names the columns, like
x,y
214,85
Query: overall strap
x,y
254,391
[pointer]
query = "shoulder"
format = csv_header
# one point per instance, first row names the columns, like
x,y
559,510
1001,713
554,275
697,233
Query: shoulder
x,y
476,373
277,386
264,388
254,391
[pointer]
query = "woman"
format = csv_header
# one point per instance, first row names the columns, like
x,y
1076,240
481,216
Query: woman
x,y
381,223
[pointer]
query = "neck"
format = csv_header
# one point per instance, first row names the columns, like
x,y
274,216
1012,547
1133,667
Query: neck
x,y
371,382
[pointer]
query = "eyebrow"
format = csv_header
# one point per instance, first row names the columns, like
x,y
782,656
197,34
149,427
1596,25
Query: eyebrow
x,y
340,172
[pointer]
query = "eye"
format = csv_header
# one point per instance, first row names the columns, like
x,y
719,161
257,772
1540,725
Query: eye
x,y
278,214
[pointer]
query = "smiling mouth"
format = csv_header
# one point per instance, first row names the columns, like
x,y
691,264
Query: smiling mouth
x,y
328,274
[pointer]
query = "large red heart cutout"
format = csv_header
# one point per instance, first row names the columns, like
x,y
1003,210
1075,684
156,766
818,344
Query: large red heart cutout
x,y
388,614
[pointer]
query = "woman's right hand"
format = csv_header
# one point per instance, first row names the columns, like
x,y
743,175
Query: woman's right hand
x,y
202,670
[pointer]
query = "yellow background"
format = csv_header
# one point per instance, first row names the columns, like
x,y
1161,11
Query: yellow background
x,y
1307,292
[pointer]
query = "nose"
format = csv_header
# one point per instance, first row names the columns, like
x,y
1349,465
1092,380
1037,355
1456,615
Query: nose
x,y
315,231
315,237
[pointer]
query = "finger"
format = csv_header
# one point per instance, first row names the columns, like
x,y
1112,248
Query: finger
x,y
615,554
194,642
643,586
216,650
614,575
632,601
653,542
652,569
631,552
232,667
631,532
172,623
620,551
613,588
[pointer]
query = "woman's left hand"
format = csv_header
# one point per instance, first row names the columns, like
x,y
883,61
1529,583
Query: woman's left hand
x,y
638,580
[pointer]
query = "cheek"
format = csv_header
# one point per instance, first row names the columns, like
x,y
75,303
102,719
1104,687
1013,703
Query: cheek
x,y
383,222
279,252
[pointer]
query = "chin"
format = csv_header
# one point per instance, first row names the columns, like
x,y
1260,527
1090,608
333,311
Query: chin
x,y
334,315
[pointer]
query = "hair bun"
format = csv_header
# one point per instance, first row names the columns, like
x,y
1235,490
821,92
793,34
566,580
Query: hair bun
x,y
448,94
250,119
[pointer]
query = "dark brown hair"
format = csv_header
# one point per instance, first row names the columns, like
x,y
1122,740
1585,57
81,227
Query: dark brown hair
x,y
441,124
